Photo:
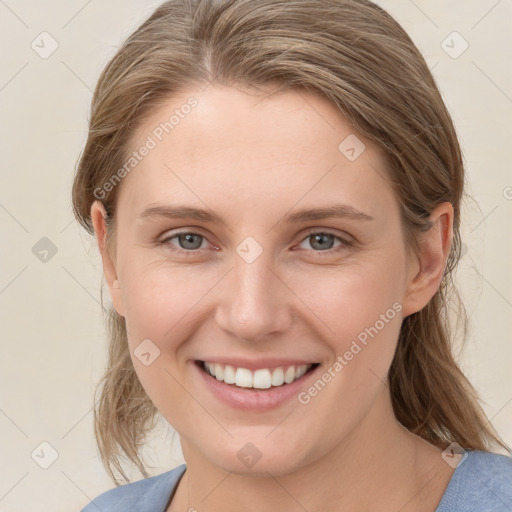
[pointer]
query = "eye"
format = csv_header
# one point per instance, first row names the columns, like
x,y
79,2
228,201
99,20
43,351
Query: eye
x,y
188,242
323,242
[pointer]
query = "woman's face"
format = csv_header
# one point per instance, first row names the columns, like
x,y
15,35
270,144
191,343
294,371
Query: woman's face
x,y
265,280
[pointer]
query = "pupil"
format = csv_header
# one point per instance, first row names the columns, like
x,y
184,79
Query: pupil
x,y
319,238
189,239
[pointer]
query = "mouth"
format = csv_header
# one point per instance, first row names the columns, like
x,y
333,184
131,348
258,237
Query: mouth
x,y
258,379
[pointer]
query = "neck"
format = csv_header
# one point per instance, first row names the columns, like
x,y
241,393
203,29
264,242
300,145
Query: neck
x,y
379,463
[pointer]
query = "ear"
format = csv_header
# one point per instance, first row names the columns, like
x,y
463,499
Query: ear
x,y
427,271
98,217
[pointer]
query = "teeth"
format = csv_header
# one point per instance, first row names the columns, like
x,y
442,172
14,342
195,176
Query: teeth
x,y
277,377
219,372
263,378
229,375
301,370
243,378
211,368
289,375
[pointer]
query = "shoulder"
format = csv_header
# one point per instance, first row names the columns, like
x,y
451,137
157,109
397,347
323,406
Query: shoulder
x,y
481,482
147,495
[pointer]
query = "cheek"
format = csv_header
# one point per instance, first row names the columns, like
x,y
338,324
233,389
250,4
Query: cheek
x,y
163,302
159,303
350,299
158,299
364,312
361,311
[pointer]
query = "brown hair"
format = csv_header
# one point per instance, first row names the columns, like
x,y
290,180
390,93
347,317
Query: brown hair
x,y
356,55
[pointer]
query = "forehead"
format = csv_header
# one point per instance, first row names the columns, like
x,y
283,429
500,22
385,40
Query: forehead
x,y
252,150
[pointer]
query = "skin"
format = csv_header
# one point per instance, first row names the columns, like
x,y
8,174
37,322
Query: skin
x,y
252,160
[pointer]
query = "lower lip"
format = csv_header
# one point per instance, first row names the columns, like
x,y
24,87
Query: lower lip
x,y
250,398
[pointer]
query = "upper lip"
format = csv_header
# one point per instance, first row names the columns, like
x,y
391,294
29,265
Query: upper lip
x,y
257,364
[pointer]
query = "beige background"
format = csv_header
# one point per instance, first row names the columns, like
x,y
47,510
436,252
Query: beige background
x,y
53,343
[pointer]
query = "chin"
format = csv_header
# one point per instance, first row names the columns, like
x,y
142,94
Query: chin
x,y
258,458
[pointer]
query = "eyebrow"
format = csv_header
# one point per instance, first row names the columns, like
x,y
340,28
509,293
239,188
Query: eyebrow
x,y
186,212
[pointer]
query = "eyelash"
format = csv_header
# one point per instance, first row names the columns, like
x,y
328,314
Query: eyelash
x,y
193,252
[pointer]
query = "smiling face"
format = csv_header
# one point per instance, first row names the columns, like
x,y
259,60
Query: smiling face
x,y
257,286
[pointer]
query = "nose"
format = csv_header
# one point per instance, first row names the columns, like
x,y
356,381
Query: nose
x,y
255,302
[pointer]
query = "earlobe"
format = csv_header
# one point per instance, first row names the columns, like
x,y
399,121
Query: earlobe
x,y
434,248
99,220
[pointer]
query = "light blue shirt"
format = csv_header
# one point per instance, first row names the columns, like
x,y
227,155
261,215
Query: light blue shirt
x,y
482,482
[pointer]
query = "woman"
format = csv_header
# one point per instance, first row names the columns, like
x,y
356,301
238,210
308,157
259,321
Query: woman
x,y
229,140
